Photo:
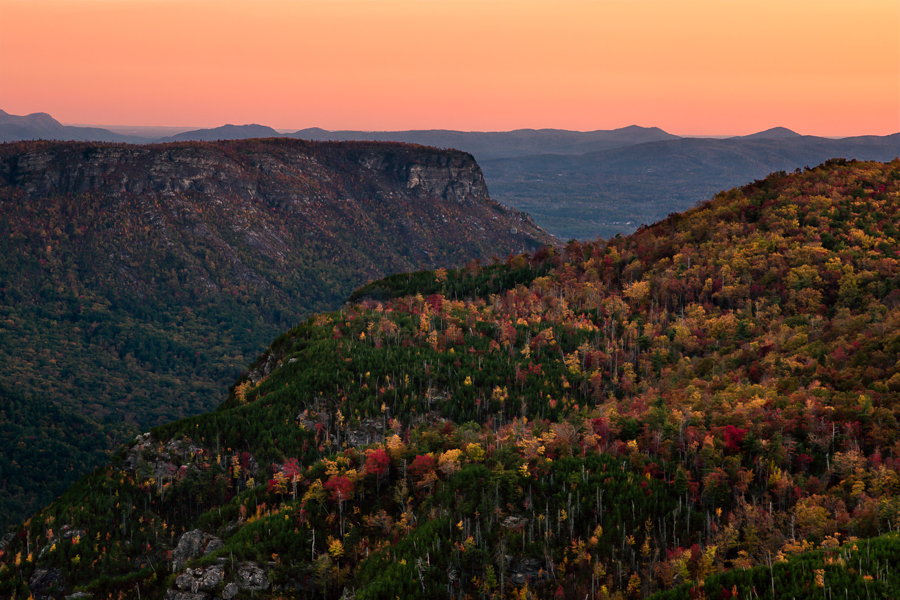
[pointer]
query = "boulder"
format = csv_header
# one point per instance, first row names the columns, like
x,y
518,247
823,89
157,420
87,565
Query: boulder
x,y
250,576
230,591
200,579
193,543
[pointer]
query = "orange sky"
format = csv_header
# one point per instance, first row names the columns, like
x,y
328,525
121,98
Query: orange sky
x,y
700,67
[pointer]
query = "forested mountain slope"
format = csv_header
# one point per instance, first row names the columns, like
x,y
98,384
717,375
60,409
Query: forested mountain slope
x,y
136,282
704,409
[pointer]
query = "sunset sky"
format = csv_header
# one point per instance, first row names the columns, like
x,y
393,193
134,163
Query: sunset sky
x,y
701,67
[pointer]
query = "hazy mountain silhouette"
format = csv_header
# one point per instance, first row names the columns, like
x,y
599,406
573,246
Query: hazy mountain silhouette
x,y
504,144
775,133
41,126
225,132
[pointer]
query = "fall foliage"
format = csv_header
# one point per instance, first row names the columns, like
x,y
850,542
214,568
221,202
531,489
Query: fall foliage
x,y
704,409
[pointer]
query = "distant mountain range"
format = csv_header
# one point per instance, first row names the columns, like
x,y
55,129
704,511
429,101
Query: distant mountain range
x,y
41,126
505,144
604,193
575,184
483,145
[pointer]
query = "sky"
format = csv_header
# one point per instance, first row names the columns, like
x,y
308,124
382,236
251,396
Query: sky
x,y
691,67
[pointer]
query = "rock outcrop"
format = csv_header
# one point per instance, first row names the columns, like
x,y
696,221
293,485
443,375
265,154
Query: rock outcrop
x,y
218,583
204,579
46,584
192,544
252,171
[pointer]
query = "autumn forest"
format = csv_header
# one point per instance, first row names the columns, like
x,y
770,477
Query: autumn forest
x,y
706,408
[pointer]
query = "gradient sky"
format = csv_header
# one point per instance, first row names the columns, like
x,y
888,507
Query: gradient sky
x,y
698,67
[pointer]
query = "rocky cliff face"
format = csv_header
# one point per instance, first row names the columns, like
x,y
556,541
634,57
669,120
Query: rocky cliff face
x,y
410,199
256,169
452,176
119,170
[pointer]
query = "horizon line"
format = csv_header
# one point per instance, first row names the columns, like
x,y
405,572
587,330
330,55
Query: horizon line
x,y
283,130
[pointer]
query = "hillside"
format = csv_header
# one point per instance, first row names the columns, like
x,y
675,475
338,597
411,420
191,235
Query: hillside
x,y
616,191
696,410
136,282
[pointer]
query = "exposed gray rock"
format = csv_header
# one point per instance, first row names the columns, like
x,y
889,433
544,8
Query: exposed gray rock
x,y
46,584
79,596
200,579
263,369
528,570
230,591
367,432
175,595
514,523
157,460
250,576
193,543
68,533
452,177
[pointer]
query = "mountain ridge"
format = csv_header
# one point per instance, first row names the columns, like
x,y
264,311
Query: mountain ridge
x,y
495,144
774,133
225,132
697,409
487,144
15,128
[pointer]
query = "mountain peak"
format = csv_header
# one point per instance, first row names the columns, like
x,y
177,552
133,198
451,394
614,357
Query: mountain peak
x,y
39,120
775,133
225,132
